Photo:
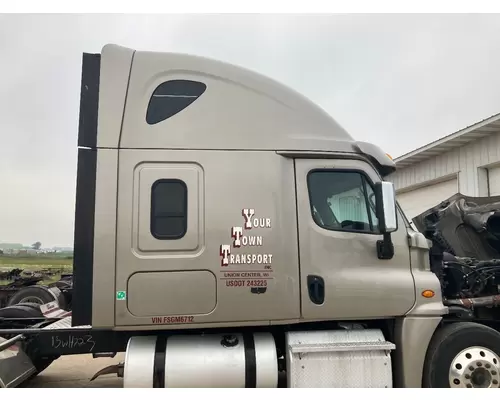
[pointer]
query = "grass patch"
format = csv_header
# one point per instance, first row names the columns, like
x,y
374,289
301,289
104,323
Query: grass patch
x,y
44,262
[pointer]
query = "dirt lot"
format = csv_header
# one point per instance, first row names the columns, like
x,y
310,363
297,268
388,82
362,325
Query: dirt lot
x,y
75,372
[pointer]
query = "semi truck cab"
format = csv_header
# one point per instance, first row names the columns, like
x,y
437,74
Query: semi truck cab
x,y
229,232
209,195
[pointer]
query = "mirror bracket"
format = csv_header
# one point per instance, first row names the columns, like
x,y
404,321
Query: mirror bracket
x,y
385,248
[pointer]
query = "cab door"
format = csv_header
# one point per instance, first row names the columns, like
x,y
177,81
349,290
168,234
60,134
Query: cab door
x,y
341,274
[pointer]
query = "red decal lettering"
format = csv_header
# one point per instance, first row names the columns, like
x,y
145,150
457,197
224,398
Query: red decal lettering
x,y
172,320
225,251
248,213
236,233
235,283
257,283
242,282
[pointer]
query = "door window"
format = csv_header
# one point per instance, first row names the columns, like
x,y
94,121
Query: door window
x,y
342,201
168,209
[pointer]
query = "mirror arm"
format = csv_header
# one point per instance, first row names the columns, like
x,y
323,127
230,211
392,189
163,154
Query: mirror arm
x,y
385,247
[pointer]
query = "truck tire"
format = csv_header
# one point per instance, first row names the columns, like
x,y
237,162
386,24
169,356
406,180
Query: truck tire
x,y
35,294
20,311
33,306
463,355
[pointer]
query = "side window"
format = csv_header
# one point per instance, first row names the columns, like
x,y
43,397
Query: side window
x,y
172,97
342,201
168,209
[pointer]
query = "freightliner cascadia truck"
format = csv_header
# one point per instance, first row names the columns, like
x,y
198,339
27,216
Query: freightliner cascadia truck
x,y
229,233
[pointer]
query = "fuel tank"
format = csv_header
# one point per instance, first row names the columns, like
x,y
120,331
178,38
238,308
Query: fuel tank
x,y
204,361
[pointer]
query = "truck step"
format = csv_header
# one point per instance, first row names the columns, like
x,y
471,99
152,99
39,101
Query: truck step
x,y
339,358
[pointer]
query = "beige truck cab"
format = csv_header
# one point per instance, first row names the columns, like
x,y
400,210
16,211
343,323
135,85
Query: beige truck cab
x,y
241,237
224,198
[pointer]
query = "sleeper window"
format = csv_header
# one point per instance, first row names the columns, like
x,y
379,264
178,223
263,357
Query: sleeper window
x,y
172,97
342,201
168,209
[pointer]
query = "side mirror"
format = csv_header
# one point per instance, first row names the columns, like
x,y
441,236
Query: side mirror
x,y
385,200
385,197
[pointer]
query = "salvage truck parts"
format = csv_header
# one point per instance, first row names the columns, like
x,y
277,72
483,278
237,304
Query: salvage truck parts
x,y
229,233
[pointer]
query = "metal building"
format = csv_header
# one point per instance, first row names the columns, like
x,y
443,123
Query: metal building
x,y
467,161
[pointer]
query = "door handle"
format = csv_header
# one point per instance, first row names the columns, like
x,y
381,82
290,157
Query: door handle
x,y
316,287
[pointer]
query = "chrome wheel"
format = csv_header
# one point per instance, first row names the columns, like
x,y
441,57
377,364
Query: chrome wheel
x,y
475,367
31,299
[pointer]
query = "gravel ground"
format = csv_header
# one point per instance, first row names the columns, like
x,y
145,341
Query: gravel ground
x,y
75,372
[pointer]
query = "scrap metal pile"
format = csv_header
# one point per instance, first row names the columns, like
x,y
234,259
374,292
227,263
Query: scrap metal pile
x,y
25,287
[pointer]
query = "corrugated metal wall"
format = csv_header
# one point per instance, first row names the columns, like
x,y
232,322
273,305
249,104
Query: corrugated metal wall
x,y
467,161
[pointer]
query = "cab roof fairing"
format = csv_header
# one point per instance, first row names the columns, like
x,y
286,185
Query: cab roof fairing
x,y
240,110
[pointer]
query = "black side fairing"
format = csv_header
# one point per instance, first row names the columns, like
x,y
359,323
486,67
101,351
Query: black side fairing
x,y
85,191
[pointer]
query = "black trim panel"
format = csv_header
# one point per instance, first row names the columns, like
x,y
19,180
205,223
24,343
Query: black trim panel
x,y
83,263
89,100
159,362
250,362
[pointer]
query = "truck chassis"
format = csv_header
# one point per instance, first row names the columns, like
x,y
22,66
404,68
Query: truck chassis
x,y
41,340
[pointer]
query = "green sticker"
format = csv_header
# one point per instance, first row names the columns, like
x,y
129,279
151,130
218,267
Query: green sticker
x,y
121,295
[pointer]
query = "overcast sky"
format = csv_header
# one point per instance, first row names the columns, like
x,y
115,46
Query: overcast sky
x,y
399,81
